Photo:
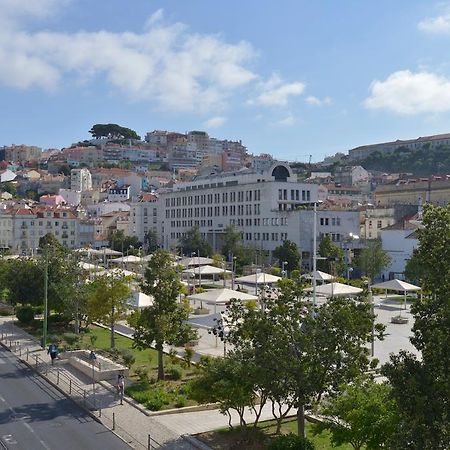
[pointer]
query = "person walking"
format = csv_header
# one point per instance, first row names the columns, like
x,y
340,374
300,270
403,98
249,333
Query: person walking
x,y
53,352
120,386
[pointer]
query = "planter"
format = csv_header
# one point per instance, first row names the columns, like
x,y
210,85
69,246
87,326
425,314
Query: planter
x,y
399,320
200,311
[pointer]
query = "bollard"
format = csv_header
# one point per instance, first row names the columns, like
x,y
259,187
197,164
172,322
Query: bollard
x,y
84,397
114,421
35,358
28,353
100,412
57,377
70,386
149,442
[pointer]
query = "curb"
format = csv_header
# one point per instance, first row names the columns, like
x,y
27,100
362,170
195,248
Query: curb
x,y
195,442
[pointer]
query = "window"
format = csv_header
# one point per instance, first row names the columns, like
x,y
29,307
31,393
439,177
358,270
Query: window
x,y
379,224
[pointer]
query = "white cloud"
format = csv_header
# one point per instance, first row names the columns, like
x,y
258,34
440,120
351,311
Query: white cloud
x,y
165,65
435,25
311,100
275,92
405,92
287,121
214,122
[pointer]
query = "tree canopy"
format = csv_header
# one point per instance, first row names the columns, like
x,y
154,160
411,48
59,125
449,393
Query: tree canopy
x,y
332,257
288,252
193,242
373,259
121,242
112,131
421,387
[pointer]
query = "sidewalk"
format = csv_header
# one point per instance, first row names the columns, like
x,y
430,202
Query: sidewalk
x,y
131,424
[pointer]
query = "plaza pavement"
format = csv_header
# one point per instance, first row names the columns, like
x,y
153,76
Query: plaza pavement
x,y
167,429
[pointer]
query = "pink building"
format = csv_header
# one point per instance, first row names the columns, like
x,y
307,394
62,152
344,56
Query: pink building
x,y
52,200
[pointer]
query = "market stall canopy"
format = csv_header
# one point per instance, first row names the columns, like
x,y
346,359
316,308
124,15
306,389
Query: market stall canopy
x,y
120,273
90,267
146,258
397,285
206,270
259,278
126,259
140,300
336,290
320,276
195,261
221,296
104,251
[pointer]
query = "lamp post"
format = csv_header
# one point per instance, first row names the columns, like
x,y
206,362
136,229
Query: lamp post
x,y
45,324
351,237
372,307
314,280
233,270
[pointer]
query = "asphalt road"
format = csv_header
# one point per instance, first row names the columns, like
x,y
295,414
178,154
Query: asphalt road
x,y
35,416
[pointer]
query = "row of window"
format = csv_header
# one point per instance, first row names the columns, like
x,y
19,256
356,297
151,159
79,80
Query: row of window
x,y
335,221
295,195
214,211
247,236
379,224
208,199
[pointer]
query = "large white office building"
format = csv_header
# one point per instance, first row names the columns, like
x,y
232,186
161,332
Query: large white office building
x,y
263,205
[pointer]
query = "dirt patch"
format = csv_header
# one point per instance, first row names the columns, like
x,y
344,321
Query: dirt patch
x,y
250,439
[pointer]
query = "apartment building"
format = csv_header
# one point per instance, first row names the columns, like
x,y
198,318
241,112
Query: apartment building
x,y
80,180
21,227
389,147
21,153
263,205
144,215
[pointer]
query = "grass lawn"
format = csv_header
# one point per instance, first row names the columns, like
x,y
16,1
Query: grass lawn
x,y
228,439
167,394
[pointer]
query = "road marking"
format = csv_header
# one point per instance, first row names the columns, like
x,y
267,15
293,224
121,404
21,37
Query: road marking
x,y
40,440
9,439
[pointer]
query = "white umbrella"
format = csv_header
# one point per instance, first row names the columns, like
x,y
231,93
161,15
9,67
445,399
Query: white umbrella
x,y
126,259
104,251
120,273
336,290
221,296
206,270
398,286
195,261
89,266
320,276
146,258
140,300
258,278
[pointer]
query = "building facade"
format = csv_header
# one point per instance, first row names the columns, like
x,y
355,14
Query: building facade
x,y
80,180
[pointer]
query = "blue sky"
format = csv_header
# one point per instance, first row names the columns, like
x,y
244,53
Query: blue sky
x,y
290,78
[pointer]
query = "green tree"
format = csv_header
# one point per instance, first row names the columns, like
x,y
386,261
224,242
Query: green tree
x,y
121,242
373,259
193,241
362,414
334,257
297,346
421,387
414,268
112,131
151,240
106,301
233,247
288,251
10,188
165,321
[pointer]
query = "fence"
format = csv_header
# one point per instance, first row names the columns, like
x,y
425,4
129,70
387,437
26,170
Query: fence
x,y
70,387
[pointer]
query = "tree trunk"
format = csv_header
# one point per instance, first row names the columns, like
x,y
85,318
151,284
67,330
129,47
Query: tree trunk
x,y
301,420
159,347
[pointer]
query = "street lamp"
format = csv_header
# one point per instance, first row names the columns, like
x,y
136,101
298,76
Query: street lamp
x,y
351,237
45,324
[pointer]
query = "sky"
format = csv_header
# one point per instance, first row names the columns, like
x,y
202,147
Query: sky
x,y
291,78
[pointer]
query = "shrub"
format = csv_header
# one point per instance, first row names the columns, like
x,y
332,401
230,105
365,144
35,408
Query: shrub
x,y
173,356
188,355
156,400
93,338
174,372
142,374
25,314
38,309
71,339
128,357
291,442
180,402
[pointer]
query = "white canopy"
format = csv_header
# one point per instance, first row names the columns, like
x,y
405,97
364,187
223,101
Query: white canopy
x,y
126,259
206,270
320,276
88,266
336,290
195,261
397,285
140,300
258,278
221,296
104,251
120,273
146,257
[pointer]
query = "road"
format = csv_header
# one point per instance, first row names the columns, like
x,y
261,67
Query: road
x,y
34,415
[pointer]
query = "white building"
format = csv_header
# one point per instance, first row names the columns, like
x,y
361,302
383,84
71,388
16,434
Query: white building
x,y
119,194
399,241
72,198
102,208
80,180
264,206
144,216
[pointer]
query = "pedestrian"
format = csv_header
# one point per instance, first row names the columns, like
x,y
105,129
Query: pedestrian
x,y
120,386
53,352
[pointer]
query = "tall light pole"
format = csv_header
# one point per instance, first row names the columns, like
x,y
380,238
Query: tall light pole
x,y
44,330
372,306
314,280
